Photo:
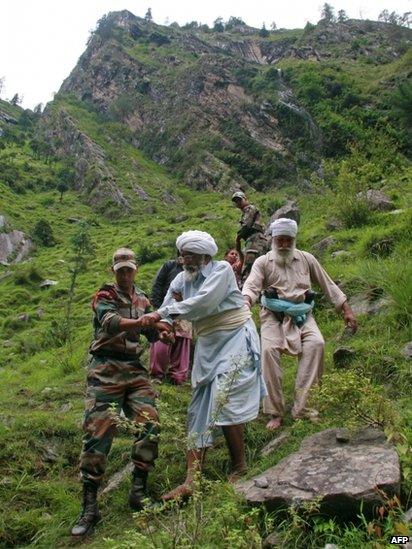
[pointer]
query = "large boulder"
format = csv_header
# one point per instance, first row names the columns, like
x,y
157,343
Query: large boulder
x,y
343,473
289,210
377,200
14,246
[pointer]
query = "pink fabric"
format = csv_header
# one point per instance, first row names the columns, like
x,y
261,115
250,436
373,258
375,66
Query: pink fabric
x,y
176,355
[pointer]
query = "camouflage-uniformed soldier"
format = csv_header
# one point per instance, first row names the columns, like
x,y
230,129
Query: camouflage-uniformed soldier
x,y
116,380
251,230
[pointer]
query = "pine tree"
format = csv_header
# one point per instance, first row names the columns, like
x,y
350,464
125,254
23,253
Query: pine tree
x,y
148,17
342,16
328,13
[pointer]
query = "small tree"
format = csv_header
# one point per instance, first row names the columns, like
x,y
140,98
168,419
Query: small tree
x,y
15,100
342,16
273,26
148,17
234,22
328,13
66,179
43,233
263,31
384,16
38,108
1,84
406,19
82,251
218,25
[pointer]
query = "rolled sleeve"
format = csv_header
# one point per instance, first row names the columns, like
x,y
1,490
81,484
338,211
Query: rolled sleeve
x,y
108,315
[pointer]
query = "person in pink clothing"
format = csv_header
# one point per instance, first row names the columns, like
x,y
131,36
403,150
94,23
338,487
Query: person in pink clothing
x,y
172,360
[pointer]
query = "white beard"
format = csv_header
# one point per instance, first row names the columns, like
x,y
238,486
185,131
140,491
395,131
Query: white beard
x,y
192,271
191,275
284,257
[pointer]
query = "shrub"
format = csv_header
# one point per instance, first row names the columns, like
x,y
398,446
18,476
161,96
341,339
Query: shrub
x,y
43,233
27,275
148,254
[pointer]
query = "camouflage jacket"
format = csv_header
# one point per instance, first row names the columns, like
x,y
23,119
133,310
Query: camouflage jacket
x,y
249,222
109,305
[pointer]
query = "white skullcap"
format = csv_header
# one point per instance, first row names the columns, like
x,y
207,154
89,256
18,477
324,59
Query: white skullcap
x,y
197,242
284,227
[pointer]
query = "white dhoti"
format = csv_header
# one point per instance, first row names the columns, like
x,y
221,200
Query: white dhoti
x,y
227,382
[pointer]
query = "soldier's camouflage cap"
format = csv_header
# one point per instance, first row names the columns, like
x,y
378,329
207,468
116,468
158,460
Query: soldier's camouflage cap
x,y
123,257
238,194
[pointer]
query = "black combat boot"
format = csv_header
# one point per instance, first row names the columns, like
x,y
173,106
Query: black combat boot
x,y
138,490
90,513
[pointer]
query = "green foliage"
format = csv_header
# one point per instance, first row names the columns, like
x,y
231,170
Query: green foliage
x,y
43,233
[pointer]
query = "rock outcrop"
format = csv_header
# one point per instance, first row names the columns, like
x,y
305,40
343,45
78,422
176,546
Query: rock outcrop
x,y
341,475
93,177
15,245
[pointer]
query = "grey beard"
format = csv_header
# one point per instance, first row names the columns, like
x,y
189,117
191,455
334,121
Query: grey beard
x,y
192,271
283,257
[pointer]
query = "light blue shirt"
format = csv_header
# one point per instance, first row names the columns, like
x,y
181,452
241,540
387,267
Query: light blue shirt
x,y
215,290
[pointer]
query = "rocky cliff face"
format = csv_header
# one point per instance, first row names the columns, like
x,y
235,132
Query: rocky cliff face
x,y
187,101
213,107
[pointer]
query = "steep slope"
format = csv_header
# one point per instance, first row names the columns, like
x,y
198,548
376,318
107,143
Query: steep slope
x,y
208,116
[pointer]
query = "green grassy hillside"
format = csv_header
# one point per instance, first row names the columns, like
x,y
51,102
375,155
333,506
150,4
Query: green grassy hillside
x,y
42,372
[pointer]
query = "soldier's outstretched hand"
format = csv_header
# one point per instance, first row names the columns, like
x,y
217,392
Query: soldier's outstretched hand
x,y
149,319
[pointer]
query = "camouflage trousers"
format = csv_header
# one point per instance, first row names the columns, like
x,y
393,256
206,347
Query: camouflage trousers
x,y
114,385
256,245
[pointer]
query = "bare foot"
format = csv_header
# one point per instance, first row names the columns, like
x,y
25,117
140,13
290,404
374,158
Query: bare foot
x,y
236,475
181,492
274,423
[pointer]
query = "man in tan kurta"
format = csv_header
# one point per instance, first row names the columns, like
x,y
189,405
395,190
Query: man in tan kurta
x,y
291,272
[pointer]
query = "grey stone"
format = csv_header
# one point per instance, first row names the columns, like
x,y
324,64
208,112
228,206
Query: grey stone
x,y
47,283
262,482
407,517
343,476
377,200
334,224
331,546
363,304
14,246
275,443
23,317
407,350
50,453
73,220
40,313
343,356
66,407
289,210
141,193
3,222
342,435
324,244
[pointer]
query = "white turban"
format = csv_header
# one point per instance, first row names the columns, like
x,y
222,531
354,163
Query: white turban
x,y
284,227
197,242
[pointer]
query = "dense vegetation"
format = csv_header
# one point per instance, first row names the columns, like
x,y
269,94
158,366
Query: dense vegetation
x,y
359,111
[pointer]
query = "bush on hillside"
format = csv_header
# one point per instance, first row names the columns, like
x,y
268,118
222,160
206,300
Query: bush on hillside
x,y
148,254
43,233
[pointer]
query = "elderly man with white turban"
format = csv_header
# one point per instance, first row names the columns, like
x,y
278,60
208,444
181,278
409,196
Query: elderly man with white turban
x,y
226,377
285,275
